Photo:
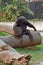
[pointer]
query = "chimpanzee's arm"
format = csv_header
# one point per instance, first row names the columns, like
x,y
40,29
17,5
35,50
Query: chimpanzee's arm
x,y
30,25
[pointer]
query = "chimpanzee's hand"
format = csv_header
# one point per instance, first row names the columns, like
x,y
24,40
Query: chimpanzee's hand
x,y
35,29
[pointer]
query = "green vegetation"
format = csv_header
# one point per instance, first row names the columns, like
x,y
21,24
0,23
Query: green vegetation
x,y
36,53
42,4
11,9
4,34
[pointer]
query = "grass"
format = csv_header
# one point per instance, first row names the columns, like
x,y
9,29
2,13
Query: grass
x,y
4,34
36,53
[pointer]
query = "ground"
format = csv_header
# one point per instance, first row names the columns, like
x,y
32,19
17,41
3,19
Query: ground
x,y
36,53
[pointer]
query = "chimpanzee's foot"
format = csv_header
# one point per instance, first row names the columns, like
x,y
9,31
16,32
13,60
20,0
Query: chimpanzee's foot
x,y
31,37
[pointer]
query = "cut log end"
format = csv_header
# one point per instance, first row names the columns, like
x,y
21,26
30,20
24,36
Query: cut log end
x,y
7,59
22,61
10,56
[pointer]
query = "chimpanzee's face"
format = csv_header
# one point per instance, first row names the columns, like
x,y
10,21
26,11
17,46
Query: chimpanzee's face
x,y
21,20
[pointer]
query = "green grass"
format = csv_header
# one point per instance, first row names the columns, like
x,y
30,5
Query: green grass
x,y
4,34
36,53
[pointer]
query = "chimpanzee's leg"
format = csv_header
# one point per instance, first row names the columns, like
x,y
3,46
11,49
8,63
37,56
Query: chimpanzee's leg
x,y
27,32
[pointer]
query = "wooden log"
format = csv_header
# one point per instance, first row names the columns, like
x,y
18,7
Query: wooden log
x,y
23,41
9,29
10,56
6,28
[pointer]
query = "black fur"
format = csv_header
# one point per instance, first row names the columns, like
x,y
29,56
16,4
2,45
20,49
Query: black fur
x,y
23,23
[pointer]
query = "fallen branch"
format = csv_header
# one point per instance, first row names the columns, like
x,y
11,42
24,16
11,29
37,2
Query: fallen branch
x,y
23,41
10,55
6,28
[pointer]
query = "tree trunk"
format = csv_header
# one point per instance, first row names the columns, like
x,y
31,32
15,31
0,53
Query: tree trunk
x,y
23,41
6,28
10,56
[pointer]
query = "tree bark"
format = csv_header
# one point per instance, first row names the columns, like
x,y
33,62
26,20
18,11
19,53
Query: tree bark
x,y
10,56
6,28
23,41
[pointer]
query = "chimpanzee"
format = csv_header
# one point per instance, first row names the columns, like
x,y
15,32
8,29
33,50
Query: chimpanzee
x,y
23,23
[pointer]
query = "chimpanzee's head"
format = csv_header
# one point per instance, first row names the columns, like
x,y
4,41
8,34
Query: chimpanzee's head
x,y
21,19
